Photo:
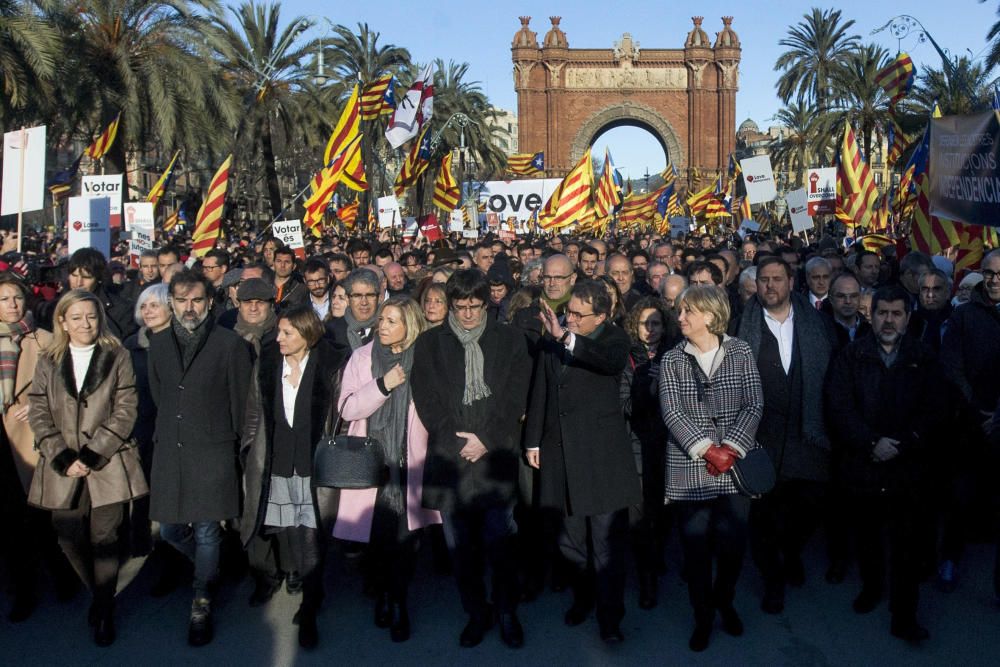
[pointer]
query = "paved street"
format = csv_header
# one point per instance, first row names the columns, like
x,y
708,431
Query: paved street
x,y
817,628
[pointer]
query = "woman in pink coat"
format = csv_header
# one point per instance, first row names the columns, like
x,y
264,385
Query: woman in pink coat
x,y
375,398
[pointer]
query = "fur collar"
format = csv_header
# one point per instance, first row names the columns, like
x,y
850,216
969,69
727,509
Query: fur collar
x,y
98,371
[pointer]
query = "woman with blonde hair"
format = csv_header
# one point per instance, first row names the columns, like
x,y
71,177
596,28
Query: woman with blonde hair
x,y
82,407
712,401
375,397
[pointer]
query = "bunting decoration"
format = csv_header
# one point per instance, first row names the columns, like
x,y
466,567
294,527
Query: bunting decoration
x,y
856,191
348,127
896,78
208,223
377,98
103,143
156,192
572,199
526,164
446,190
415,164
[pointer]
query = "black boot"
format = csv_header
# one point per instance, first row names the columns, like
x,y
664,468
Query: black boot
x,y
308,630
104,626
265,586
200,631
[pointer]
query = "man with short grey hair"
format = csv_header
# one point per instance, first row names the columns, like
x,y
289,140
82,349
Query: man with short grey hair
x,y
357,326
928,321
748,283
818,275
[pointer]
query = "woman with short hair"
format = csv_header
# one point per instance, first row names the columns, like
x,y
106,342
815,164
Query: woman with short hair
x,y
82,408
711,400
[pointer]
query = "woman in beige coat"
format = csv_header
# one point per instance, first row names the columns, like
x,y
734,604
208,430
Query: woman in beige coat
x,y
82,409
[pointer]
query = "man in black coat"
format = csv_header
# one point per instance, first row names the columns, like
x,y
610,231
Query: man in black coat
x,y
576,426
887,410
470,384
199,377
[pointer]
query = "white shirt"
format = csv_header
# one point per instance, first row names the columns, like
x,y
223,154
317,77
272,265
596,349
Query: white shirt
x,y
706,360
288,392
81,362
321,307
813,299
783,331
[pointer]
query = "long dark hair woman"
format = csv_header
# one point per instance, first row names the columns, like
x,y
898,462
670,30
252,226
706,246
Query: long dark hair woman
x,y
652,333
375,397
712,400
82,405
288,412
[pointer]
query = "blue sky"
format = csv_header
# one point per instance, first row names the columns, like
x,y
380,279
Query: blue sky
x,y
480,33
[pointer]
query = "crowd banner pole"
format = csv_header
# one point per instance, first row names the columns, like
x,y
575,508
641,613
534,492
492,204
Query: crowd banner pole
x,y
20,187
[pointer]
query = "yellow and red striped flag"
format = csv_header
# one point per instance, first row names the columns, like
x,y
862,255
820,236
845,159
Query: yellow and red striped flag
x,y
323,186
103,143
415,164
526,164
875,242
896,78
856,191
607,194
156,192
171,221
373,98
354,170
348,127
698,202
897,141
208,223
348,215
572,197
446,190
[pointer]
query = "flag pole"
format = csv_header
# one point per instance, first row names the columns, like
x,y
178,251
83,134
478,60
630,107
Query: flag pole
x,y
20,187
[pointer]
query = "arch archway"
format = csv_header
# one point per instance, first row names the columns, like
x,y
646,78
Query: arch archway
x,y
628,113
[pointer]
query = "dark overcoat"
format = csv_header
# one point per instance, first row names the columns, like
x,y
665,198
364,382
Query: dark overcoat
x,y
199,419
575,417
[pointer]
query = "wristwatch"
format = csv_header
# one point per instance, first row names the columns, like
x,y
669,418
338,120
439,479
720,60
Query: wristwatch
x,y
562,339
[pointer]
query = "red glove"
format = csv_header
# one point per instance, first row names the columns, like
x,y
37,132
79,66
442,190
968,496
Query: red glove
x,y
712,470
720,458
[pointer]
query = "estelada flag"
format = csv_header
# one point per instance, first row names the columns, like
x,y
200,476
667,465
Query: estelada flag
x,y
377,98
572,198
526,164
208,223
156,192
446,190
103,143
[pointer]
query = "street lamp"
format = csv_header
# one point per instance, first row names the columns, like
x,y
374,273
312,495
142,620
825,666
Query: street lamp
x,y
904,25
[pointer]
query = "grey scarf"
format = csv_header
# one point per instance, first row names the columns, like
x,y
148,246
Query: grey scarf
x,y
190,341
475,384
388,423
252,333
355,329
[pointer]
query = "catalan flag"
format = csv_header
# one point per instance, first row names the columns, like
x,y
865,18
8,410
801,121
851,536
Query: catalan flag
x,y
446,190
323,185
348,215
875,242
526,164
669,174
354,170
856,191
171,221
638,209
103,143
208,223
572,197
896,78
607,195
896,140
415,164
348,127
744,210
156,192
698,202
377,98
62,181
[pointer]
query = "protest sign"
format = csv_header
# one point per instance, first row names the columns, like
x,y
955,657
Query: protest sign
x,y
797,209
105,186
388,212
759,179
88,224
965,182
821,191
23,187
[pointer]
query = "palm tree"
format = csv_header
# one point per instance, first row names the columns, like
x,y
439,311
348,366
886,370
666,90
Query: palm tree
x,y
29,50
857,99
145,59
265,65
966,91
452,94
817,46
794,154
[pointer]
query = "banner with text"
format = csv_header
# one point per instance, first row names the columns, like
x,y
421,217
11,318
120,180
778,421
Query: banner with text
x,y
388,212
23,171
87,224
797,210
519,199
821,191
965,181
759,179
93,187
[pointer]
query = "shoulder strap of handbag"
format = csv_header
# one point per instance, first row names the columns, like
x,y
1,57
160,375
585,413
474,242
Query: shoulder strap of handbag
x,y
698,375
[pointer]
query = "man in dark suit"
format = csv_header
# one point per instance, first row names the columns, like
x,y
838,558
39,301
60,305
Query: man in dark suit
x,y
575,425
470,383
199,375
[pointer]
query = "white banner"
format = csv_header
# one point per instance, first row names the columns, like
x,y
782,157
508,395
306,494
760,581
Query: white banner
x,y
142,239
138,213
455,221
518,199
759,179
748,227
28,194
388,212
470,233
801,220
289,232
88,224
105,186
821,191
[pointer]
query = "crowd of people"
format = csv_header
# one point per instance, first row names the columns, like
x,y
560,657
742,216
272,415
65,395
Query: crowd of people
x,y
546,409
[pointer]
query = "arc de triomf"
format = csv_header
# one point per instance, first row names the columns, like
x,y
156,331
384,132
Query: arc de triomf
x,y
686,97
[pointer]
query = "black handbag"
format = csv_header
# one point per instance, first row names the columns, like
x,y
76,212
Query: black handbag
x,y
754,474
347,461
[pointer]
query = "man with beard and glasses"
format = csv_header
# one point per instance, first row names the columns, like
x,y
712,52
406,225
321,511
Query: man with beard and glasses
x,y
199,376
887,413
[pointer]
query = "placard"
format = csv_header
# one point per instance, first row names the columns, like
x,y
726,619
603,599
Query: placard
x,y
388,212
27,145
138,213
289,232
456,222
759,179
141,240
748,227
88,224
105,186
517,198
797,209
679,226
470,233
965,168
821,194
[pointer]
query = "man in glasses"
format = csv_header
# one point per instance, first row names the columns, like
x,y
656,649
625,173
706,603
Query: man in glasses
x,y
470,382
577,438
355,328
558,278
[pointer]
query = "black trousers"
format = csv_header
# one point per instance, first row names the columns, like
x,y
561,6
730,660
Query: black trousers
x,y
600,540
477,536
89,538
780,525
878,517
713,531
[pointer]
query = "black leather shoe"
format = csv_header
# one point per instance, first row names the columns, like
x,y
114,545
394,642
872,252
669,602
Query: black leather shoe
x,y
647,590
383,614
264,589
866,601
511,632
731,623
293,583
399,624
773,602
611,633
200,631
308,632
104,631
699,638
474,631
909,630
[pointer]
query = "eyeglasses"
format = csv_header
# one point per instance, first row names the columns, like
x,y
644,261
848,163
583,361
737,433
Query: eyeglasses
x,y
320,281
556,279
573,315
989,275
468,309
369,296
206,267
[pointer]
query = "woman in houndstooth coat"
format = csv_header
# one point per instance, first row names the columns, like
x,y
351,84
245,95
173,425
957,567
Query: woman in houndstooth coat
x,y
711,401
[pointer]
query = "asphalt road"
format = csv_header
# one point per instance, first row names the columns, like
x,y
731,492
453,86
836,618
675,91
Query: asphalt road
x,y
818,627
